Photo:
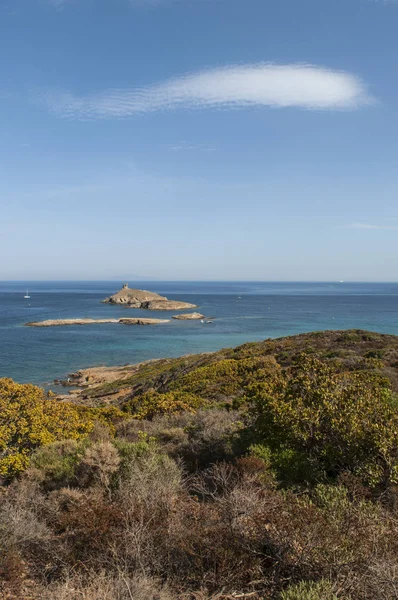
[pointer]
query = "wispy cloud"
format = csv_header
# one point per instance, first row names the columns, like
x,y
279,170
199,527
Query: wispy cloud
x,y
187,146
58,3
360,225
254,85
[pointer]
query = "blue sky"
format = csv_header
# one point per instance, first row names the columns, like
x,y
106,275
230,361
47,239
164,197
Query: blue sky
x,y
199,139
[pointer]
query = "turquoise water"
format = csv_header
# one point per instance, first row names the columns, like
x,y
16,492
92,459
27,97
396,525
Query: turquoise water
x,y
242,312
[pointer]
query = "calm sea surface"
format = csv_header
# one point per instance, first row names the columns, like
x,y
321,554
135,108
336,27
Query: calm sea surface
x,y
242,312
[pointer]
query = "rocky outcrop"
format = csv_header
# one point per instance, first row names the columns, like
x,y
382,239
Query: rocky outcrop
x,y
133,298
60,322
143,321
189,316
167,305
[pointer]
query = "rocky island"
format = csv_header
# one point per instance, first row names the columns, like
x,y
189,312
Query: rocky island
x,y
133,298
62,322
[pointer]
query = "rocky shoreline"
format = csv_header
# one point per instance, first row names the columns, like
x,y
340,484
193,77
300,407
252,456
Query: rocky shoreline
x,y
100,374
88,380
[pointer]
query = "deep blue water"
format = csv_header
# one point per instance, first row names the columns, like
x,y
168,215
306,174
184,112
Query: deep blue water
x,y
242,311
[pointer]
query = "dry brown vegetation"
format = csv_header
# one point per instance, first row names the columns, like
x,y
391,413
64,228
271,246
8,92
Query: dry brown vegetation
x,y
266,492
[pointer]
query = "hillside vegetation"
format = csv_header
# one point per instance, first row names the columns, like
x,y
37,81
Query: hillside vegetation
x,y
268,471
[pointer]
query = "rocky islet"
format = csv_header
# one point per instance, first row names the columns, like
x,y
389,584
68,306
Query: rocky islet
x,y
64,322
133,298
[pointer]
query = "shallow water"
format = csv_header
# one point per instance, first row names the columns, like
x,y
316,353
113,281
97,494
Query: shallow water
x,y
242,312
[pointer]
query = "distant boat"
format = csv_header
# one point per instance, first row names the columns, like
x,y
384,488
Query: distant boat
x,y
27,295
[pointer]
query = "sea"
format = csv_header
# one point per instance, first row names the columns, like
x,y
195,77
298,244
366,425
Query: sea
x,y
240,311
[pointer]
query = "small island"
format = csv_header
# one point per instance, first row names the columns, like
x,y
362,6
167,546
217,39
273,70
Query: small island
x,y
133,298
124,321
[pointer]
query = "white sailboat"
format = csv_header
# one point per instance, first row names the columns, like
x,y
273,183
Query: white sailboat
x,y
27,295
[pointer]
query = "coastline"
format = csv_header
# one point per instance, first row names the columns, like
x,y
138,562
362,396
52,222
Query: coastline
x,y
90,378
108,384
267,310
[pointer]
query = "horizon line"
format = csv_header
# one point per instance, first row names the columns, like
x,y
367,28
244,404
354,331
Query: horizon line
x,y
145,281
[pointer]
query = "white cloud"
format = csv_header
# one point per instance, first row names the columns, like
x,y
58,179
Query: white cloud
x,y
254,85
360,225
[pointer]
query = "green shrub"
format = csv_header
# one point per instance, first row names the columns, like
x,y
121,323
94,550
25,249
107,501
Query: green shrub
x,y
130,452
308,590
288,465
378,353
262,452
57,462
293,467
340,421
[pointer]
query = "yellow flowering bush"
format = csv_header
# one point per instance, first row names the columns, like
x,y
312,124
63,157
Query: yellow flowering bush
x,y
29,419
152,403
225,378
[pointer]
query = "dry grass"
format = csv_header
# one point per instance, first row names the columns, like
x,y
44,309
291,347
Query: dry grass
x,y
105,587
